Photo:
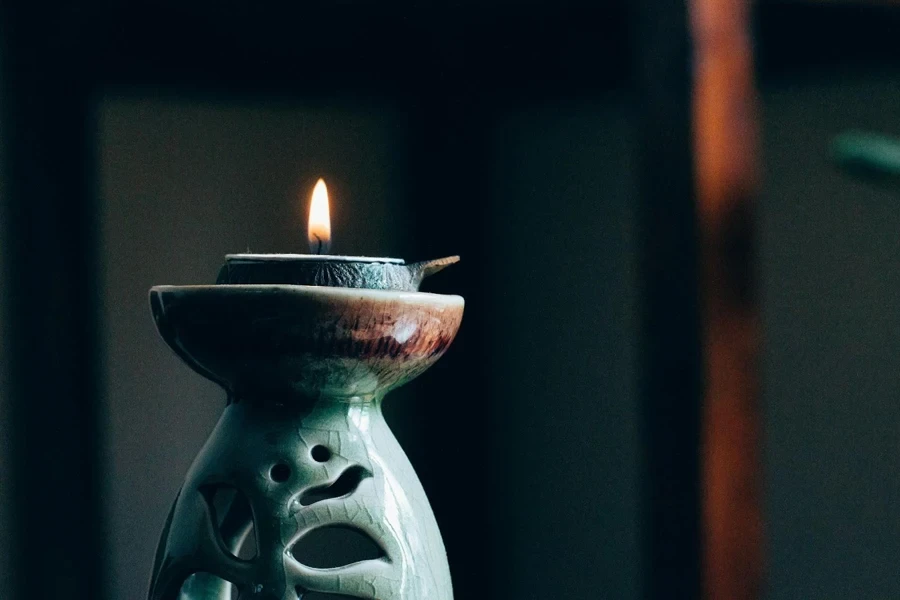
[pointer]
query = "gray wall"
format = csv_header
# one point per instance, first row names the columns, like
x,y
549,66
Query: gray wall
x,y
831,300
563,327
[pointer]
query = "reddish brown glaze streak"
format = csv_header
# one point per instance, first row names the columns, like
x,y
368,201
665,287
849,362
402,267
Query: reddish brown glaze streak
x,y
306,340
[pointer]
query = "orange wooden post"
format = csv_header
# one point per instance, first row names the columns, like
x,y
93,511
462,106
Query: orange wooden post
x,y
725,137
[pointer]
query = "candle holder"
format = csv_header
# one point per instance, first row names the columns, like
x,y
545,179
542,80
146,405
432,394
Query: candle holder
x,y
302,444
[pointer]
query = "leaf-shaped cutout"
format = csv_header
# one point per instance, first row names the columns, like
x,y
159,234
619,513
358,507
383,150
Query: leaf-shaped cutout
x,y
233,519
346,484
203,586
335,546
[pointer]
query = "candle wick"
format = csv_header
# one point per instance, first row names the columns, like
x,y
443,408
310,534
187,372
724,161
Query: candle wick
x,y
319,241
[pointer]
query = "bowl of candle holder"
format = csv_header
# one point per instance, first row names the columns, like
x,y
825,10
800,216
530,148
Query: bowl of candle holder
x,y
302,444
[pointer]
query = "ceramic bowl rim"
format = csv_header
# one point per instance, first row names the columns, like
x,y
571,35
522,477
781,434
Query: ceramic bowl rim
x,y
249,258
320,292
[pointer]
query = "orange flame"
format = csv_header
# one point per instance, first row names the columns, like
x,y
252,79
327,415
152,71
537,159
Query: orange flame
x,y
319,229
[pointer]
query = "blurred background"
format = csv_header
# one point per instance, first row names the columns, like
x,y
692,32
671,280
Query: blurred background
x,y
677,374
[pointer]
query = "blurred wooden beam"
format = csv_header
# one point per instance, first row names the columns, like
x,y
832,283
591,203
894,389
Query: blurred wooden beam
x,y
700,314
726,141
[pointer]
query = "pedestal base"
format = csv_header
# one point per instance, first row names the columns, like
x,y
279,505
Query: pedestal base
x,y
282,470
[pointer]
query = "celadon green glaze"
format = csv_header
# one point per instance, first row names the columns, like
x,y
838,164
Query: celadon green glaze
x,y
302,440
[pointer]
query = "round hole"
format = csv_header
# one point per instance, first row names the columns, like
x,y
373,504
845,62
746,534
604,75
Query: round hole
x,y
280,473
320,453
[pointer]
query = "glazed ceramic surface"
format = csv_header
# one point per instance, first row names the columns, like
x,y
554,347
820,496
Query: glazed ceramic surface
x,y
302,443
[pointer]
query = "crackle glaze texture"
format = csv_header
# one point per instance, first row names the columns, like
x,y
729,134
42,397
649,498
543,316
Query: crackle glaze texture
x,y
305,368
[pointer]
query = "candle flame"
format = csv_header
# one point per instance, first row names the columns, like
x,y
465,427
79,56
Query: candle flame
x,y
319,230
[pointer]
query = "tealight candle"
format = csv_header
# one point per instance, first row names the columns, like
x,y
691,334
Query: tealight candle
x,y
369,272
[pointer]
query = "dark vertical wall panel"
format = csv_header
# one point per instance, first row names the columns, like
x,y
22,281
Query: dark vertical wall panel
x,y
5,442
670,345
6,540
448,167
50,290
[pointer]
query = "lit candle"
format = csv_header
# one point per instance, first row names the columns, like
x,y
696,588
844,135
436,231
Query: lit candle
x,y
324,269
319,228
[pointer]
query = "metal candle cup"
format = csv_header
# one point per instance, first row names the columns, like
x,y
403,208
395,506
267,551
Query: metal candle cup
x,y
332,271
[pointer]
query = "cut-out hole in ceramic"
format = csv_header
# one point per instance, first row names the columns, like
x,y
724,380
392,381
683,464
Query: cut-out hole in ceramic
x,y
320,453
280,473
335,546
347,483
205,586
247,549
233,519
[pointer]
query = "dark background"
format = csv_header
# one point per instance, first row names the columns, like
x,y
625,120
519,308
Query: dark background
x,y
509,133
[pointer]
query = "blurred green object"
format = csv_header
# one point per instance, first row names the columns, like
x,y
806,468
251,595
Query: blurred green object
x,y
870,156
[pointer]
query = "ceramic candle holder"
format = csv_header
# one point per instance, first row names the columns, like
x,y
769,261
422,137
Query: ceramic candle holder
x,y
302,444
